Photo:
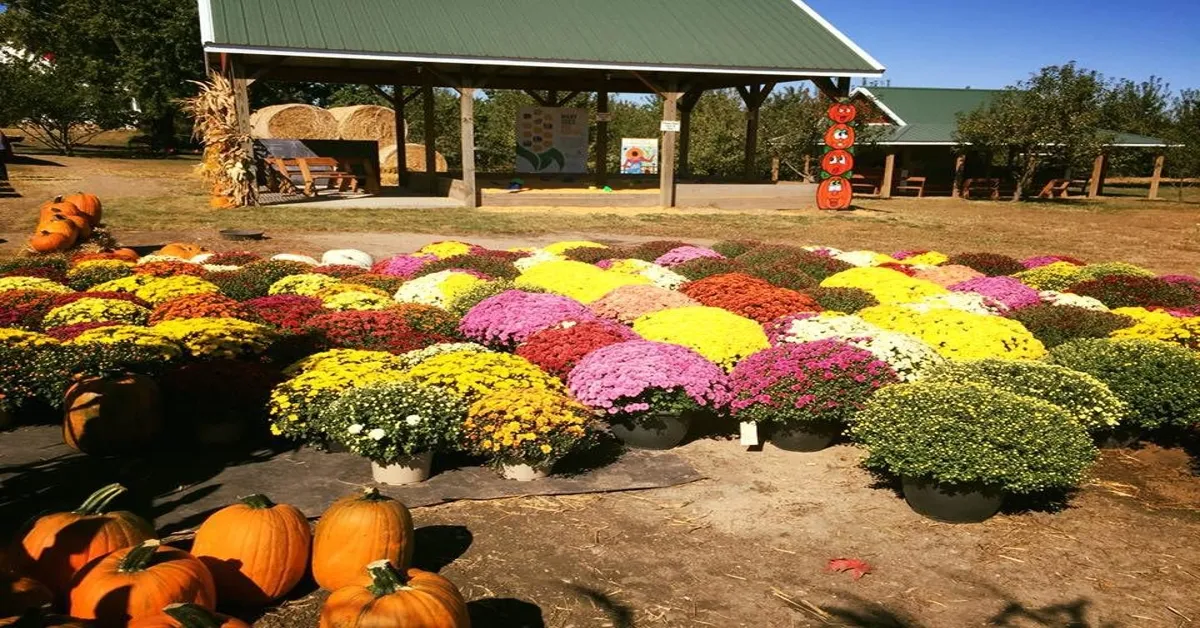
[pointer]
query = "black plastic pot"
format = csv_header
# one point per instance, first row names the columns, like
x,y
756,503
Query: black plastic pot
x,y
657,431
952,503
1120,438
804,437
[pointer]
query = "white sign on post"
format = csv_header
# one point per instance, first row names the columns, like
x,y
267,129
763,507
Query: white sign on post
x,y
670,126
749,434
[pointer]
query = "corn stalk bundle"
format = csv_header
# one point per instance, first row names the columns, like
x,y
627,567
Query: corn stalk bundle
x,y
228,153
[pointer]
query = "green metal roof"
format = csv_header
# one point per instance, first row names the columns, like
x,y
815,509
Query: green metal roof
x,y
747,35
929,115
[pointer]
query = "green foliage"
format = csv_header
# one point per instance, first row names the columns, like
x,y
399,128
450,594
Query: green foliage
x,y
701,267
18,377
784,275
493,267
734,248
1157,379
384,422
1058,324
1089,402
973,434
1183,159
480,291
89,276
845,300
57,103
57,368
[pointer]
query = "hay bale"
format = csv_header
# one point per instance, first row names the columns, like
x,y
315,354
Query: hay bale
x,y
293,122
366,122
414,157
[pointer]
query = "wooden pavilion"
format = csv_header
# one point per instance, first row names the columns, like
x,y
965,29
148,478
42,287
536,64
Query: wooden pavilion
x,y
677,49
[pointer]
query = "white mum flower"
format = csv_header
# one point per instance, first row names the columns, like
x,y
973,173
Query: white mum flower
x,y
357,428
413,419
376,434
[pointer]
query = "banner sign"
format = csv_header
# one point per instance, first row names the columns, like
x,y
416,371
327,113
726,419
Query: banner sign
x,y
639,155
552,139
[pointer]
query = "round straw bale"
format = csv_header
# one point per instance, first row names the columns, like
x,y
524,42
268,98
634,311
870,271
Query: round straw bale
x,y
366,122
293,122
414,159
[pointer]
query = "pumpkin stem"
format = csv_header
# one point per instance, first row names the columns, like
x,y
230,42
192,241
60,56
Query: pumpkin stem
x,y
191,616
385,580
372,494
139,557
258,501
98,502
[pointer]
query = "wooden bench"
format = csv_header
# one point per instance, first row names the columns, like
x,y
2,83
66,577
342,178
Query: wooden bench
x,y
1056,188
978,188
311,170
860,184
912,184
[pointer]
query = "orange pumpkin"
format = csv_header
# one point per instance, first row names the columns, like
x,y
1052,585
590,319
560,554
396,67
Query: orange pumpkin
x,y
412,598
256,550
834,193
20,595
180,249
837,162
60,544
128,255
51,241
358,530
840,136
112,414
841,113
83,226
138,581
88,205
187,616
56,207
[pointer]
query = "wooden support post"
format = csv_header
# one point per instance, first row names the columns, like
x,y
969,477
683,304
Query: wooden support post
x,y
889,170
960,163
430,135
467,105
775,169
401,161
241,104
1156,178
686,104
753,96
1096,185
601,138
666,167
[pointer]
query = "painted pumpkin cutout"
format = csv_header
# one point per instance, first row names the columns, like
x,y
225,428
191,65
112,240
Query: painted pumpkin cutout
x,y
837,162
842,112
834,193
839,136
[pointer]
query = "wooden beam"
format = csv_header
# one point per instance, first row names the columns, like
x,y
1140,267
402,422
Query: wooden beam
x,y
241,100
1096,184
654,88
559,102
831,90
1156,178
687,103
960,163
666,156
889,170
401,153
753,96
391,100
411,96
601,138
467,107
538,97
430,137
264,70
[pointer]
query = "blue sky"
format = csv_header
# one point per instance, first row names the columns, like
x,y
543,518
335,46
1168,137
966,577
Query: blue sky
x,y
992,43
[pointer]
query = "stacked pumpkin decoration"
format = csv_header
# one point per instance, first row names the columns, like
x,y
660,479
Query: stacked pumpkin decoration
x,y
65,222
837,164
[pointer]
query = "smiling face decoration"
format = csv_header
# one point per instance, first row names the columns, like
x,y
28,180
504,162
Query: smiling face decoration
x,y
837,162
834,193
839,136
842,113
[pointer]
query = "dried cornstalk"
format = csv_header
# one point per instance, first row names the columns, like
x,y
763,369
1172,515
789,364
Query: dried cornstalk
x,y
228,162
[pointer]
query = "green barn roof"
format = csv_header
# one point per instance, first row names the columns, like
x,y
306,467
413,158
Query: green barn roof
x,y
776,37
929,115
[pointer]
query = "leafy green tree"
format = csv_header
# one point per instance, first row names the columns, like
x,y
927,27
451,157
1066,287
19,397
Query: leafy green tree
x,y
56,103
1132,107
1051,118
1183,159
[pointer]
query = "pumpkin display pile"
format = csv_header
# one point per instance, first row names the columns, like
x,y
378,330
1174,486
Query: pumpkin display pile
x,y
67,222
106,568
525,357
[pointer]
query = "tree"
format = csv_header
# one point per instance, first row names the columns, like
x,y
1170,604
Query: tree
x,y
1142,108
56,103
1183,159
1051,118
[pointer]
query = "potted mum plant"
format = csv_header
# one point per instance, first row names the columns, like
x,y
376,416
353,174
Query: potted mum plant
x,y
961,448
398,426
649,391
525,431
805,392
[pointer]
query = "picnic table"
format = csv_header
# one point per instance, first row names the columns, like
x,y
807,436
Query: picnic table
x,y
336,173
981,187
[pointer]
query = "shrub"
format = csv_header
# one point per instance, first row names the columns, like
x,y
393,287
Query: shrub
x,y
990,264
58,369
783,275
1118,291
627,303
886,285
1056,324
637,378
1057,276
707,267
1045,260
286,312
558,349
1089,402
439,288
96,311
1184,331
169,269
749,296
1006,291
388,284
591,254
719,335
472,375
255,279
770,254
734,248
233,258
845,300
510,318
949,275
960,335
650,251
404,266
825,381
217,337
660,276
338,271
67,333
493,267
682,254
908,356
89,274
198,306
20,282
45,266
970,434
198,392
582,282
528,426
297,404
1157,379
25,309
383,330
386,421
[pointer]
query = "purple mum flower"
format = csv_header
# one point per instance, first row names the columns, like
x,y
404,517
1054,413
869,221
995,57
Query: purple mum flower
x,y
618,378
509,318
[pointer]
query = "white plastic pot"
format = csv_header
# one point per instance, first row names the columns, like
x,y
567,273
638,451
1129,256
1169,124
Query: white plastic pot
x,y
407,470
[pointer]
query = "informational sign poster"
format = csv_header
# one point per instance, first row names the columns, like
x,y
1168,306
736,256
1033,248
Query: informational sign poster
x,y
639,155
552,139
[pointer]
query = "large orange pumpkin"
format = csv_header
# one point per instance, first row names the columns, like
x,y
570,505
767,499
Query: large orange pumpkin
x,y
50,242
187,616
60,544
87,204
358,530
256,550
138,581
129,255
20,595
83,226
56,207
112,414
411,598
181,249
